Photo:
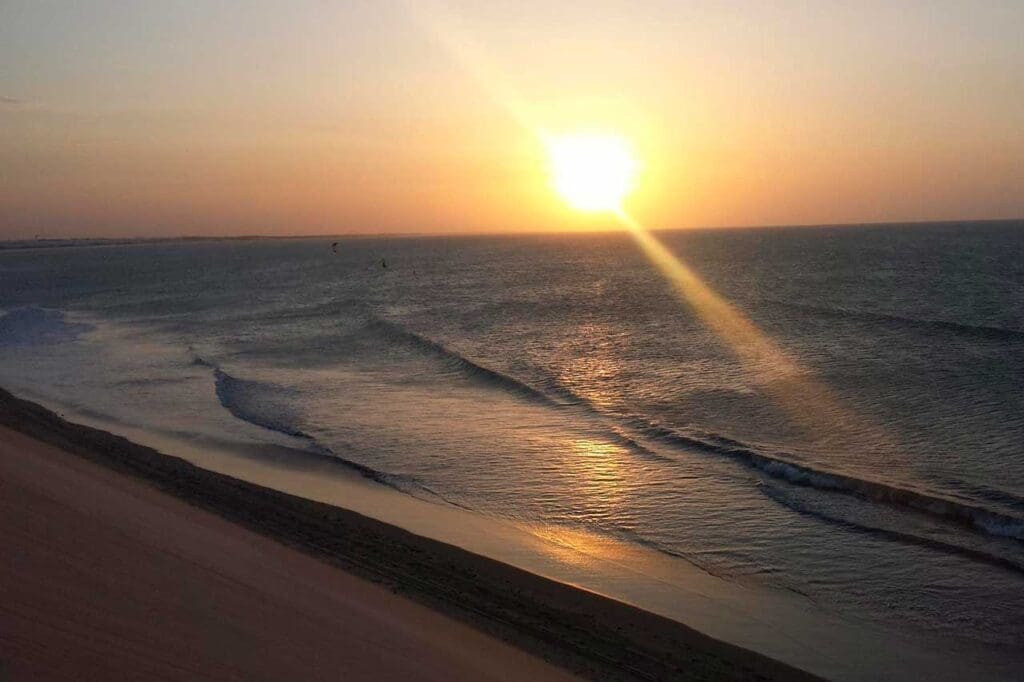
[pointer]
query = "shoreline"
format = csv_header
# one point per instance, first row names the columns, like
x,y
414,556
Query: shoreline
x,y
578,630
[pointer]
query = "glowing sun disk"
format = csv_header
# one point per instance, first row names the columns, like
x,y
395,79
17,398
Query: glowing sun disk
x,y
592,172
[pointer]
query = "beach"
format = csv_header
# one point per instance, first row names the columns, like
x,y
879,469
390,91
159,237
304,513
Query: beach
x,y
121,561
455,340
528,400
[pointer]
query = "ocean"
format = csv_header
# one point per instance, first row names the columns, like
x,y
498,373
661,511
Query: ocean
x,y
558,381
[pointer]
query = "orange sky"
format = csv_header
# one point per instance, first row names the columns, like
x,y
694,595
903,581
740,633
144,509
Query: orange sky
x,y
225,118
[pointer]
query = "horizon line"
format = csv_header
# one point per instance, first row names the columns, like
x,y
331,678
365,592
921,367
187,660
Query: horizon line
x,y
29,242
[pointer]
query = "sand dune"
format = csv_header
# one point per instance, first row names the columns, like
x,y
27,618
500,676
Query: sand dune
x,y
105,578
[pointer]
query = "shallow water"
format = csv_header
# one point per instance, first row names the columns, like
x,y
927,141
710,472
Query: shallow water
x,y
559,381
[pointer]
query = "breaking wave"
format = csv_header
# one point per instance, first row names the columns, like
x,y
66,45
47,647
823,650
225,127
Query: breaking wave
x,y
799,507
265,405
258,403
985,520
459,363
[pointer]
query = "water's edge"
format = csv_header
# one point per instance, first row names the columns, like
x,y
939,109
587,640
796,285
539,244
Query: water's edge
x,y
781,626
585,632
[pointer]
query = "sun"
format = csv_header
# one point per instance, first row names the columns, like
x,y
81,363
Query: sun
x,y
592,172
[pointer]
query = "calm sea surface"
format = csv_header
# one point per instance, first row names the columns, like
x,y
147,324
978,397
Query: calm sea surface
x,y
559,380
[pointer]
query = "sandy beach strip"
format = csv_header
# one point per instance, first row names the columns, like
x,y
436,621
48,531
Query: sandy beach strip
x,y
120,562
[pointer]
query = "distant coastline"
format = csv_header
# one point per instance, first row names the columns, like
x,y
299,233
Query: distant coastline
x,y
58,242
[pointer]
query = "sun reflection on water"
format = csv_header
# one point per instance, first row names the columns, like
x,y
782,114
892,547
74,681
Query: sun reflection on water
x,y
578,548
591,366
599,473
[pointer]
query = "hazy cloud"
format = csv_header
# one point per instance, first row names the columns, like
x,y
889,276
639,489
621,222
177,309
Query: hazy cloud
x,y
10,100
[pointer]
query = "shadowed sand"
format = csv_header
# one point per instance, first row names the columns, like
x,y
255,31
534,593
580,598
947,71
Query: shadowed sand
x,y
103,576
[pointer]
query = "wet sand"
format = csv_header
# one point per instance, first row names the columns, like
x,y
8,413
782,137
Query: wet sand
x,y
122,562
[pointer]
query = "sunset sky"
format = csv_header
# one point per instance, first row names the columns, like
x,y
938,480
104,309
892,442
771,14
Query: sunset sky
x,y
213,117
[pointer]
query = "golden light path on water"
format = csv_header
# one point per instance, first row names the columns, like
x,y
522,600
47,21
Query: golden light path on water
x,y
807,401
